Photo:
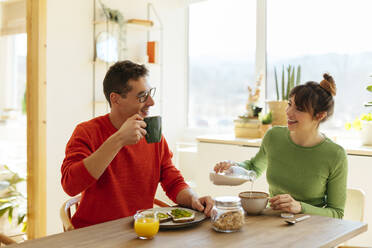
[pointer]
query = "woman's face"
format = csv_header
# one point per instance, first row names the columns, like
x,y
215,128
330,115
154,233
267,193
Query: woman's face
x,y
298,120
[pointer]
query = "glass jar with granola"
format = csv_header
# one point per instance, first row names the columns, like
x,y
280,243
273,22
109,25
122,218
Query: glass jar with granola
x,y
227,214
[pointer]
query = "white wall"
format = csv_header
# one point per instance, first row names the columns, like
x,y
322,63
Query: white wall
x,y
175,71
69,89
69,79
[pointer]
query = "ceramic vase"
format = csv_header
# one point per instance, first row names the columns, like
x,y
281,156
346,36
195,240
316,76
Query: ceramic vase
x,y
277,109
366,133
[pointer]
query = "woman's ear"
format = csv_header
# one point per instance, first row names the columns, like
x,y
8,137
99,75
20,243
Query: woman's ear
x,y
320,116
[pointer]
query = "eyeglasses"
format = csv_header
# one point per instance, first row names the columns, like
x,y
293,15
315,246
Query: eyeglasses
x,y
145,95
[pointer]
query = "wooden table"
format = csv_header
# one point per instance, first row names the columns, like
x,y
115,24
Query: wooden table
x,y
258,231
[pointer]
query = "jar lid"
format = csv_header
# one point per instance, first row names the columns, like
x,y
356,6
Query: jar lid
x,y
227,201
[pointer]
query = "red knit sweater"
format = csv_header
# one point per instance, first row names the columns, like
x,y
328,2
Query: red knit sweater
x,y
128,184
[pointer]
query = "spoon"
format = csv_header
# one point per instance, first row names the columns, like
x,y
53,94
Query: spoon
x,y
294,221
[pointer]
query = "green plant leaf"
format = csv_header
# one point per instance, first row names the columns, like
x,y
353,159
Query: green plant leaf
x,y
12,178
283,90
10,214
24,103
3,211
369,88
266,118
4,200
289,69
12,199
276,85
292,79
298,79
6,205
24,227
21,217
18,180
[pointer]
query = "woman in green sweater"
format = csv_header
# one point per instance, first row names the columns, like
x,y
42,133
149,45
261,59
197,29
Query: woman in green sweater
x,y
305,170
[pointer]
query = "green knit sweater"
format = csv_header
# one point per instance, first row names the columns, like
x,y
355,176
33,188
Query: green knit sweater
x,y
314,176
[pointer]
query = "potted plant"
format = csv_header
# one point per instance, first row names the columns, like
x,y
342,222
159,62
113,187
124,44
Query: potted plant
x,y
282,93
363,123
369,88
248,125
114,15
12,202
266,122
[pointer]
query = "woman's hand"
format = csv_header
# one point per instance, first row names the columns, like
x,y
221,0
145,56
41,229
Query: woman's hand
x,y
286,203
224,165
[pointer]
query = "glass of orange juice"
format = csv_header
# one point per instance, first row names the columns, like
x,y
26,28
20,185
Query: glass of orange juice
x,y
146,224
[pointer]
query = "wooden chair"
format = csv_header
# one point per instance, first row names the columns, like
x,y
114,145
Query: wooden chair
x,y
354,208
160,203
6,240
70,206
65,212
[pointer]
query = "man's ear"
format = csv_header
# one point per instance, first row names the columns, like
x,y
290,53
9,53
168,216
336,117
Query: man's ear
x,y
114,98
320,116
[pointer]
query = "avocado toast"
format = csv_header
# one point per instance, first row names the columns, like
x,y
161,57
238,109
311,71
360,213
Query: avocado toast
x,y
180,215
163,217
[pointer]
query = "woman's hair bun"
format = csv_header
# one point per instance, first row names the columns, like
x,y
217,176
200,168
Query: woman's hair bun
x,y
328,84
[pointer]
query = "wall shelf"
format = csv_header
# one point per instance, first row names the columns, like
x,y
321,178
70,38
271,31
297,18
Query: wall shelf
x,y
131,40
132,26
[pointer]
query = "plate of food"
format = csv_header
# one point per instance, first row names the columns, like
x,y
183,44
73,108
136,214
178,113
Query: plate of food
x,y
177,217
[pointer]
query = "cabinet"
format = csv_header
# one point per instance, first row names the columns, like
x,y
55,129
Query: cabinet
x,y
117,39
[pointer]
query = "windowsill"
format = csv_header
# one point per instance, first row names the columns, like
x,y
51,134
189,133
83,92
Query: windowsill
x,y
352,146
190,135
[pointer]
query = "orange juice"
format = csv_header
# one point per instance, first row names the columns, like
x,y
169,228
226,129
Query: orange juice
x,y
146,227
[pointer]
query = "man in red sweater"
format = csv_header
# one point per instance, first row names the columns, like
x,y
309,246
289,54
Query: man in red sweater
x,y
109,161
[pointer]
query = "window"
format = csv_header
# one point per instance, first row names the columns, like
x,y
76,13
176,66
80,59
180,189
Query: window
x,y
13,146
222,45
13,73
13,126
323,36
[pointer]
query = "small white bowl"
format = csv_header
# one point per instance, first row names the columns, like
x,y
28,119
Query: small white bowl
x,y
253,202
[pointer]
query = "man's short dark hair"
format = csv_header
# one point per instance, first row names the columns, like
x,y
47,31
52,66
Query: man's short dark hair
x,y
118,75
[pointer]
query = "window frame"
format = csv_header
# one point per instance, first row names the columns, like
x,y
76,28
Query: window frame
x,y
260,68
260,64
